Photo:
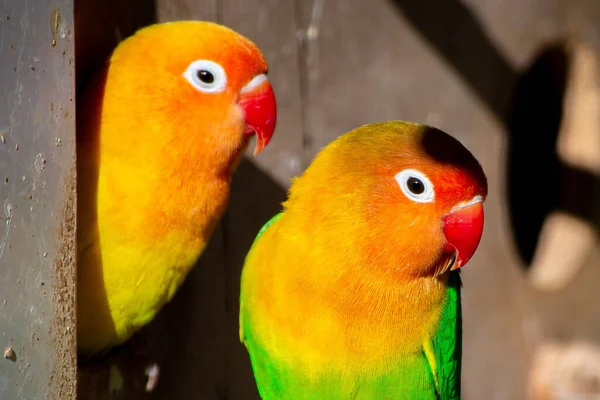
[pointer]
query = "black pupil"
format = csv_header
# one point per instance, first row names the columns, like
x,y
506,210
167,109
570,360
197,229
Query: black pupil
x,y
415,185
206,76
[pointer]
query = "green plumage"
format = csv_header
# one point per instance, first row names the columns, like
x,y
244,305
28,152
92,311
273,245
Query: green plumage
x,y
419,376
447,342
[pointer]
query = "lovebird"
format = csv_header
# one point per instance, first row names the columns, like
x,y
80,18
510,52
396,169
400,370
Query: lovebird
x,y
353,290
160,129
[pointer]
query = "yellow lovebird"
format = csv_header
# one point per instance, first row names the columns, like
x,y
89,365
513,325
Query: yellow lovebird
x,y
160,129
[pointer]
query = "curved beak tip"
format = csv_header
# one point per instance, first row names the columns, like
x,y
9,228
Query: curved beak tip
x,y
463,228
257,99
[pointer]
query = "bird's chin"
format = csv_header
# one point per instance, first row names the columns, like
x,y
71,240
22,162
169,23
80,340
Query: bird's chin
x,y
444,263
248,132
236,155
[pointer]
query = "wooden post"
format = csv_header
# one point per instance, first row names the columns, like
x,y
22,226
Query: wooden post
x,y
37,200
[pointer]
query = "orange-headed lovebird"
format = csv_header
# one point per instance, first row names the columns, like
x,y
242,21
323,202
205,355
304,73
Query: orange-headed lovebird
x,y
160,129
353,290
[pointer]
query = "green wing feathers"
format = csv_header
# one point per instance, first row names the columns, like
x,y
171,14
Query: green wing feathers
x,y
447,343
267,224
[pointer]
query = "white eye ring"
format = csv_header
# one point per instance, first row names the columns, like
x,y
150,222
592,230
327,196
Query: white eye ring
x,y
415,185
206,76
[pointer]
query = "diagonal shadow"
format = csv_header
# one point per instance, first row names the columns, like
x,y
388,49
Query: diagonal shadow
x,y
461,41
534,122
528,103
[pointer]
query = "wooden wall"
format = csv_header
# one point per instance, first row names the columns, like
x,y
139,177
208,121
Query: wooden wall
x,y
494,73
37,200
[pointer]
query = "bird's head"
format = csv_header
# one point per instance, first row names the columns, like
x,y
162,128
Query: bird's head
x,y
399,188
191,85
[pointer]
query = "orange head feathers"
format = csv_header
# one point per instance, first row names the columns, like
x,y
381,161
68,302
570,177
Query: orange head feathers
x,y
201,85
399,190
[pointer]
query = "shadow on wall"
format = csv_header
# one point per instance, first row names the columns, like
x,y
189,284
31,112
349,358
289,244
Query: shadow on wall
x,y
539,180
533,164
529,104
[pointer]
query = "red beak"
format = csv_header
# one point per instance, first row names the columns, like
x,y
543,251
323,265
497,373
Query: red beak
x,y
257,99
463,228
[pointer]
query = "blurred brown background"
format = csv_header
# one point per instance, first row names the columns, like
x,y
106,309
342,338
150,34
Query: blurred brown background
x,y
517,81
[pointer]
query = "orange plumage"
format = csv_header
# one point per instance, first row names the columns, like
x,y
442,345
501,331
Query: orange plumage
x,y
157,143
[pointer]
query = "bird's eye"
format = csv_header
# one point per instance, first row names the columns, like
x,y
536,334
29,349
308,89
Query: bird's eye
x,y
415,185
206,76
